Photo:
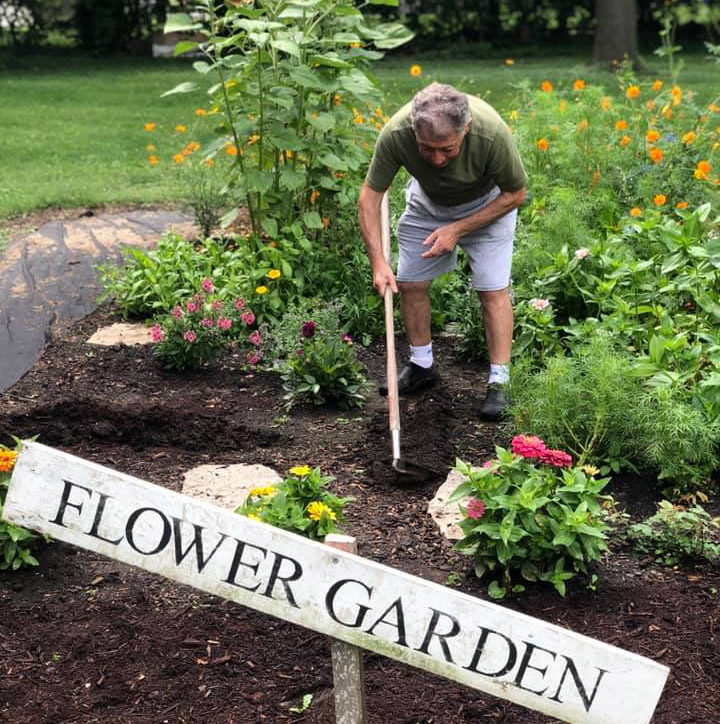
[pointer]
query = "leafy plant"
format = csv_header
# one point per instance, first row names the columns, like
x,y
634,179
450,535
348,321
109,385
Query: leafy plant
x,y
300,503
323,369
531,511
676,534
16,543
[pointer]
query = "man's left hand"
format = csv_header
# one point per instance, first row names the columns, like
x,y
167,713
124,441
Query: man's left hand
x,y
441,241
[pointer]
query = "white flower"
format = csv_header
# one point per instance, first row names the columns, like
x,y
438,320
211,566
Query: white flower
x,y
582,253
540,304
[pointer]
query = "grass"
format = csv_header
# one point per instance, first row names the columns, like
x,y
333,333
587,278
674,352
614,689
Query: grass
x,y
73,127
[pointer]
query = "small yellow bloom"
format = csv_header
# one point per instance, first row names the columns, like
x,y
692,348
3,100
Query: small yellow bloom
x,y
689,137
179,158
546,86
713,108
563,106
300,470
633,91
660,199
180,128
621,125
605,103
274,274
261,289
543,144
200,112
215,109
590,470
667,112
624,141
657,85
149,126
254,138
316,509
359,119
149,147
7,460
337,99
378,113
656,155
514,115
153,160
254,516
702,171
652,135
354,45
582,125
230,83
681,205
579,84
314,196
265,490
509,61
415,70
635,212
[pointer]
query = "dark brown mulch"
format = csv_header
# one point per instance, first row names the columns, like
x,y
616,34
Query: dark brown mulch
x,y
87,639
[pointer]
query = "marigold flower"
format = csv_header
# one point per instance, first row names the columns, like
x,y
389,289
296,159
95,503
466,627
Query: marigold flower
x,y
415,70
153,160
476,508
582,125
635,212
667,112
702,171
179,158
190,336
713,108
590,470
543,144
157,334
605,103
509,61
676,91
528,446
556,458
274,274
652,135
7,460
337,99
681,205
660,199
180,128
359,119
633,91
624,141
300,470
657,85
579,84
546,86
656,155
209,162
200,112
621,125
689,137
540,304
316,509
514,115
150,147
261,289
149,126
308,329
231,149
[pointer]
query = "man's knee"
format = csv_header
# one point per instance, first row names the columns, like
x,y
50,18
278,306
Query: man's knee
x,y
497,299
414,289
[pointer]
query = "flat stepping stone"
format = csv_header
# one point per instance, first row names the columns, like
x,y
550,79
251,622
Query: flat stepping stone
x,y
227,486
121,333
447,516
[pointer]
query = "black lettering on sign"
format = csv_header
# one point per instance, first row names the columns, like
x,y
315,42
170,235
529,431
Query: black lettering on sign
x,y
99,511
399,623
525,665
130,530
330,603
237,561
431,631
285,580
586,700
65,502
196,543
480,648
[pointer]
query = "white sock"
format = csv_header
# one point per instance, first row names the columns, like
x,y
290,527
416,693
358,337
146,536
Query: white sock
x,y
499,374
422,355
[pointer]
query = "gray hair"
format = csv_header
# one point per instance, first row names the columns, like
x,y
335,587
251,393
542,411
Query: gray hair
x,y
437,107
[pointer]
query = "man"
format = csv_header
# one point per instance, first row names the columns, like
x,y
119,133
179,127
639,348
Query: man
x,y
467,182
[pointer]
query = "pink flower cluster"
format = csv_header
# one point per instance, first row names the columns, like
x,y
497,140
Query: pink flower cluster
x,y
247,317
207,285
476,508
157,334
529,446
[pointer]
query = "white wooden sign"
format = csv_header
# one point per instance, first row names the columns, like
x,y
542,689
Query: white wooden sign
x,y
483,645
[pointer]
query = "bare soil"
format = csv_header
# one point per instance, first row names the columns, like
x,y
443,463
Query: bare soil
x,y
87,639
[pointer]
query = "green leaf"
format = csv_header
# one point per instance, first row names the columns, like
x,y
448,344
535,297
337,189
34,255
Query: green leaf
x,y
180,22
185,46
391,3
270,226
312,220
462,491
329,61
496,591
305,77
186,87
287,46
292,180
322,121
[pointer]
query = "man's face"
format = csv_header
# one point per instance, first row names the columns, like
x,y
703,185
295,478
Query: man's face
x,y
440,151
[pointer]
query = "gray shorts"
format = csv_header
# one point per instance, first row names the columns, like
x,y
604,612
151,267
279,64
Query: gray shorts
x,y
489,249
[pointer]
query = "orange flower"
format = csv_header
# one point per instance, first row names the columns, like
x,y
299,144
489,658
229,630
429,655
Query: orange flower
x,y
325,222
689,137
231,149
179,158
676,91
635,212
509,61
656,155
605,103
681,205
7,460
667,112
180,128
546,86
314,195
624,141
650,105
415,70
713,108
582,125
153,160
596,178
210,162
149,126
702,171
657,85
579,84
543,144
633,91
200,112
621,126
652,135
660,199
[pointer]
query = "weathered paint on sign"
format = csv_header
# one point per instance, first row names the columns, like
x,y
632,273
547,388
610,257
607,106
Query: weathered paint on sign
x,y
485,646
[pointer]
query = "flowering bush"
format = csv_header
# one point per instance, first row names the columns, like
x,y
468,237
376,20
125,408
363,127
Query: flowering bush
x,y
530,510
15,542
323,369
300,503
203,327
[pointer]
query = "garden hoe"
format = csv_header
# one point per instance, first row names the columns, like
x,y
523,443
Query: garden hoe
x,y
407,471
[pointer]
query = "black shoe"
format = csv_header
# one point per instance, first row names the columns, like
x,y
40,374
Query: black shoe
x,y
496,402
412,378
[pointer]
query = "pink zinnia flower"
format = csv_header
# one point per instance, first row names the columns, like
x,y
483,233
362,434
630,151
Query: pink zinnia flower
x,y
540,304
206,322
489,464
239,303
248,318
224,323
476,508
308,329
156,333
253,358
299,352
254,337
347,339
528,446
189,336
207,285
556,458
191,306
177,312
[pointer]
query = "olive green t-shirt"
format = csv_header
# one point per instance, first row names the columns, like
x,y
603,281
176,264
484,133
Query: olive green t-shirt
x,y
488,158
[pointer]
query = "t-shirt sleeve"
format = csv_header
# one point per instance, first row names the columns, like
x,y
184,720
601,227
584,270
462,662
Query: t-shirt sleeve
x,y
504,163
384,163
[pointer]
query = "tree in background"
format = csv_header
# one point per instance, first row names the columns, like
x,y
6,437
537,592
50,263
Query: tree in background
x,y
615,32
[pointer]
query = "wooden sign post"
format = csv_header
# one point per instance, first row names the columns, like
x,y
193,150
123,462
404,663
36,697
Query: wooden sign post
x,y
483,645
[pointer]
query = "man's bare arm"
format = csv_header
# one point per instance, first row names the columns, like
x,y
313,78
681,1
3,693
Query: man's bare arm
x,y
369,217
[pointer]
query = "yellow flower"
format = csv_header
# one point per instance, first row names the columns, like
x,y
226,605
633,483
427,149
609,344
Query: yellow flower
x,y
657,85
378,113
509,61
702,171
514,115
681,205
590,470
652,135
689,137
676,91
415,70
200,112
667,112
263,491
582,125
337,99
314,195
300,470
633,91
179,158
261,289
713,108
149,147
660,199
153,160
230,83
180,128
579,84
635,212
149,126
254,516
621,125
656,155
7,460
605,103
563,106
354,45
359,119
546,86
316,509
254,138
543,144
624,141
274,274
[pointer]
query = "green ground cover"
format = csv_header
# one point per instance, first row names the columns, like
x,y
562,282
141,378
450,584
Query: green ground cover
x,y
73,127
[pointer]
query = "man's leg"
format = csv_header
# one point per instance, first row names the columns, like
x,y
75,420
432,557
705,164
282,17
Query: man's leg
x,y
498,316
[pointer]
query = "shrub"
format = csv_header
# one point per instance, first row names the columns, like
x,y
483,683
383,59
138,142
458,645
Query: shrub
x,y
530,510
300,503
676,534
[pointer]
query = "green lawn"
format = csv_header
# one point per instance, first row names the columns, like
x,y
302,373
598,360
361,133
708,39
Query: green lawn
x,y
72,128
